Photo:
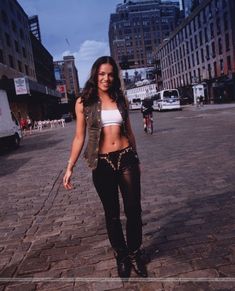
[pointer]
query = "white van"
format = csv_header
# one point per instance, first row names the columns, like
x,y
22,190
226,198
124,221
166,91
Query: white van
x,y
10,132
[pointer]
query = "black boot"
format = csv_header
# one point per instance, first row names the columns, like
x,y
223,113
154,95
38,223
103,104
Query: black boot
x,y
138,263
123,263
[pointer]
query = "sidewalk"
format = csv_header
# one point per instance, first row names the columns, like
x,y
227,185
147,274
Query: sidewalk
x,y
209,106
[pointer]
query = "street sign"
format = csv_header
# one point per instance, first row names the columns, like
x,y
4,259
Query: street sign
x,y
21,86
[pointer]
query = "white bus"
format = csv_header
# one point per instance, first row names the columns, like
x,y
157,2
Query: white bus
x,y
167,99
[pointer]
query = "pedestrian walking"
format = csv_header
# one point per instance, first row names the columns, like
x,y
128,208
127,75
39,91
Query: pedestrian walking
x,y
111,154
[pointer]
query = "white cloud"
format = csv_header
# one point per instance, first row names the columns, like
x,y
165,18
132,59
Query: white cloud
x,y
88,52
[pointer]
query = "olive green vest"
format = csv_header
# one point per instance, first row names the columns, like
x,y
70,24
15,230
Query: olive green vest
x,y
93,122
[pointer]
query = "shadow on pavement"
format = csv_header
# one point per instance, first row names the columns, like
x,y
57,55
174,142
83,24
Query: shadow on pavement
x,y
200,232
9,166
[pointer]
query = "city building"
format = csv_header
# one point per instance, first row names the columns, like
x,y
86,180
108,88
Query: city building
x,y
201,51
137,28
18,75
186,7
16,56
43,62
66,76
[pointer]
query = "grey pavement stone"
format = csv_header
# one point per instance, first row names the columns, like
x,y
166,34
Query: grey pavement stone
x,y
188,182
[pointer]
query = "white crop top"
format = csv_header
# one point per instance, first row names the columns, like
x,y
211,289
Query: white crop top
x,y
111,117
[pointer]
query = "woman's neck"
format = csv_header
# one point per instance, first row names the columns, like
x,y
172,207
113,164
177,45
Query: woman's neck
x,y
104,96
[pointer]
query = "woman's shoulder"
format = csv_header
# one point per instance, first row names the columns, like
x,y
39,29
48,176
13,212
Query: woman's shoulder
x,y
79,105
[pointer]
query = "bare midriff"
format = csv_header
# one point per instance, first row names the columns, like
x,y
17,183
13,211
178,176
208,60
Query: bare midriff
x,y
112,140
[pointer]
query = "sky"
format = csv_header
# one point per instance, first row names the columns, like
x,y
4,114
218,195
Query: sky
x,y
74,27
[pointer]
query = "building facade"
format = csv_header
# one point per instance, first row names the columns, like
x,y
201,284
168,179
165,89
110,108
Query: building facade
x,y
16,56
201,50
17,66
137,28
66,76
43,62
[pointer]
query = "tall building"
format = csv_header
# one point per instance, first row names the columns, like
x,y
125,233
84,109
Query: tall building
x,y
16,56
66,74
27,93
137,28
43,62
202,51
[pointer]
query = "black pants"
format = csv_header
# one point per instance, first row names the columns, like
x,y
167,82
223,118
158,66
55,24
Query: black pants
x,y
120,169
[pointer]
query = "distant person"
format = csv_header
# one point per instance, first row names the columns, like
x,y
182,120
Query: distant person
x,y
201,100
23,124
111,154
146,110
29,124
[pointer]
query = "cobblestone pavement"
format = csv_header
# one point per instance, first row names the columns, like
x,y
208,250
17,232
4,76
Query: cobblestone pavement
x,y
53,239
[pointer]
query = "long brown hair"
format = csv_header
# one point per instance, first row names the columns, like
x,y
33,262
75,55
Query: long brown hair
x,y
90,91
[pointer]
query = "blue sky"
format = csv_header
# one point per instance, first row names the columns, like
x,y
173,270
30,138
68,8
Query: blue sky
x,y
77,27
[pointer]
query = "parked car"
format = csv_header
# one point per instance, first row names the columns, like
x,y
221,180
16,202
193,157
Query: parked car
x,y
184,100
67,117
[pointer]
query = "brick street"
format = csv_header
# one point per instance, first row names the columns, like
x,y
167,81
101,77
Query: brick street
x,y
53,239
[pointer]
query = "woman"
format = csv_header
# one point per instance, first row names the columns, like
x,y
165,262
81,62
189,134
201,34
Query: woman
x,y
111,153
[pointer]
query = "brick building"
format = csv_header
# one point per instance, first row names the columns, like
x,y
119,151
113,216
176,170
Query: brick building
x,y
201,50
137,28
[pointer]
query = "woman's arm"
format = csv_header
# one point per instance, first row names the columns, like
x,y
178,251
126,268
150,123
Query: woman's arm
x,y
77,143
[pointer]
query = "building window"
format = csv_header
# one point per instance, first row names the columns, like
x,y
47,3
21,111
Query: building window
x,y
199,20
218,25
8,41
13,24
4,17
193,61
1,57
227,42
209,70
197,57
202,55
207,52
21,34
206,36
222,66
212,30
24,52
204,15
225,21
200,37
189,64
215,69
26,70
16,46
220,46
191,44
213,49
229,63
11,62
195,41
199,74
20,66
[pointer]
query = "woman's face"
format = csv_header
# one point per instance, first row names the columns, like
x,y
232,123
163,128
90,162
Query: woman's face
x,y
105,77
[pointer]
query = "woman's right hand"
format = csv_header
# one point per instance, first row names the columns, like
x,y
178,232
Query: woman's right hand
x,y
66,180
